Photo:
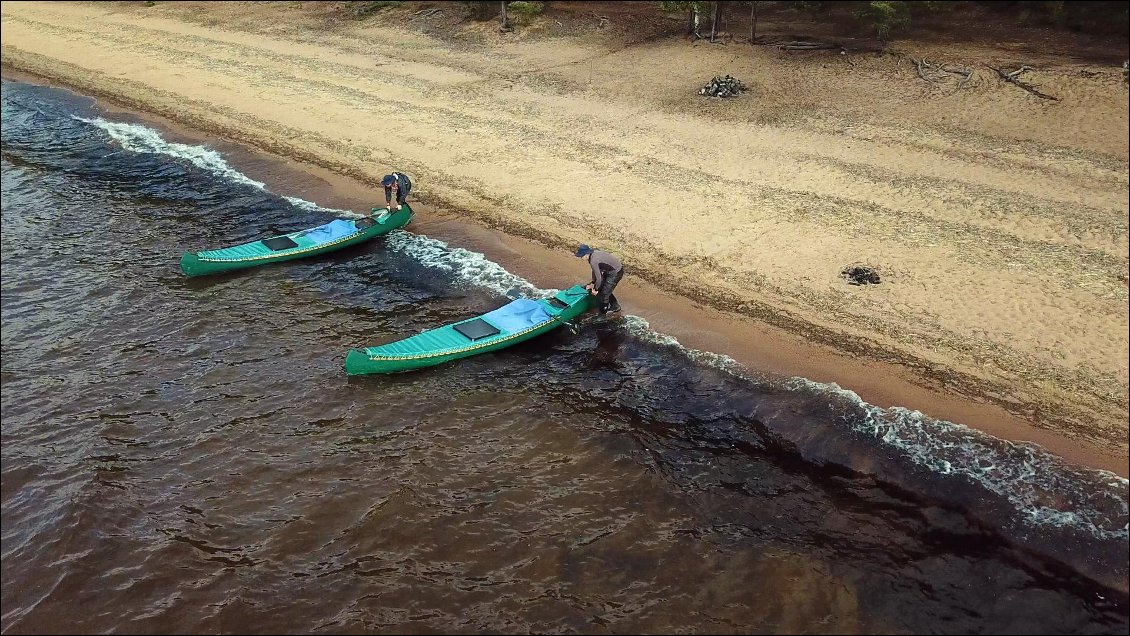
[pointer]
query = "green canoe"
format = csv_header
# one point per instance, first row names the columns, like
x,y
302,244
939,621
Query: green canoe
x,y
332,236
508,325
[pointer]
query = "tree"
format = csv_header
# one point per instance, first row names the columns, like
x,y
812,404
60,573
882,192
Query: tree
x,y
505,20
714,20
886,17
694,13
753,6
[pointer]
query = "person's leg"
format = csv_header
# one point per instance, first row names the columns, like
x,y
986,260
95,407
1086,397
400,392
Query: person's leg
x,y
605,296
613,304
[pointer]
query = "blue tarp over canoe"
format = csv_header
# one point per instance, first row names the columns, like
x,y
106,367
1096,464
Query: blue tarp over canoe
x,y
518,315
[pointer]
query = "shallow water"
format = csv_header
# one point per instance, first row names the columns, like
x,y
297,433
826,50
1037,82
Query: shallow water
x,y
187,455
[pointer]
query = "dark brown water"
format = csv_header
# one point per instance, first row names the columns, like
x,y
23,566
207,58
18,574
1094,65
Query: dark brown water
x,y
188,456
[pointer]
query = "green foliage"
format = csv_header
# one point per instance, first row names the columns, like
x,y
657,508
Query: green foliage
x,y
695,11
701,7
885,17
524,12
806,6
931,6
150,3
363,9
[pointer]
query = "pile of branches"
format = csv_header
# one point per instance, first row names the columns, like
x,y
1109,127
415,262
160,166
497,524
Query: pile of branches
x,y
722,87
936,73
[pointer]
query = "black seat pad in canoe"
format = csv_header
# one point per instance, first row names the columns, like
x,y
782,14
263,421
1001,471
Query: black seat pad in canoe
x,y
476,329
280,243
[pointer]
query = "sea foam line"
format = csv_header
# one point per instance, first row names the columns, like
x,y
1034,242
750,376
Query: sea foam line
x,y
1026,474
145,140
467,267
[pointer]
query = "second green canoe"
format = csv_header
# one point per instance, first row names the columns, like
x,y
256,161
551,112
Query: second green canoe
x,y
335,235
508,325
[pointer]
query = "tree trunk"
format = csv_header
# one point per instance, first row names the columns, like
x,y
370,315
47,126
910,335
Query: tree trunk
x,y
714,20
505,20
753,22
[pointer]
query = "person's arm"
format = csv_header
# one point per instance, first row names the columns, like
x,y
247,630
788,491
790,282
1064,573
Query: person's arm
x,y
597,275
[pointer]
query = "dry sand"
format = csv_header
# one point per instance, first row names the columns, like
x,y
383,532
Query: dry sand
x,y
997,219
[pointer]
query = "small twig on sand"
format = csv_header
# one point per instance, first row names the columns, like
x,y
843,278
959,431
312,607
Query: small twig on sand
x,y
1011,78
426,13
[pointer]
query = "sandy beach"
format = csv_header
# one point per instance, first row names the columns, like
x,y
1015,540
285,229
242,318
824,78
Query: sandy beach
x,y
998,220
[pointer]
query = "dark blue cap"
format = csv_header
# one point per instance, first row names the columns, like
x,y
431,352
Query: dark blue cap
x,y
583,250
388,180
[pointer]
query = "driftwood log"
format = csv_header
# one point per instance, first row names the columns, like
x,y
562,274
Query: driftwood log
x,y
1011,77
803,45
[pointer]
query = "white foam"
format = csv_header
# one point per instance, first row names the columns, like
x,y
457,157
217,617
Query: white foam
x,y
1025,474
641,329
465,266
314,207
142,139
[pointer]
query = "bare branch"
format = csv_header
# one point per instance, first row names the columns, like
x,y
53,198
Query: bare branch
x,y
1011,78
919,64
425,13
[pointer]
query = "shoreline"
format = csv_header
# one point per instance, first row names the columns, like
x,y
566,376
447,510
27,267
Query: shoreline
x,y
891,345
761,347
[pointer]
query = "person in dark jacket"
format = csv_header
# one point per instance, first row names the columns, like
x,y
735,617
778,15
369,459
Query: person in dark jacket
x,y
607,270
396,185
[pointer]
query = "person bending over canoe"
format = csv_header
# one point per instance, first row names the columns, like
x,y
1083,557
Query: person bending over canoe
x,y
607,270
396,185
